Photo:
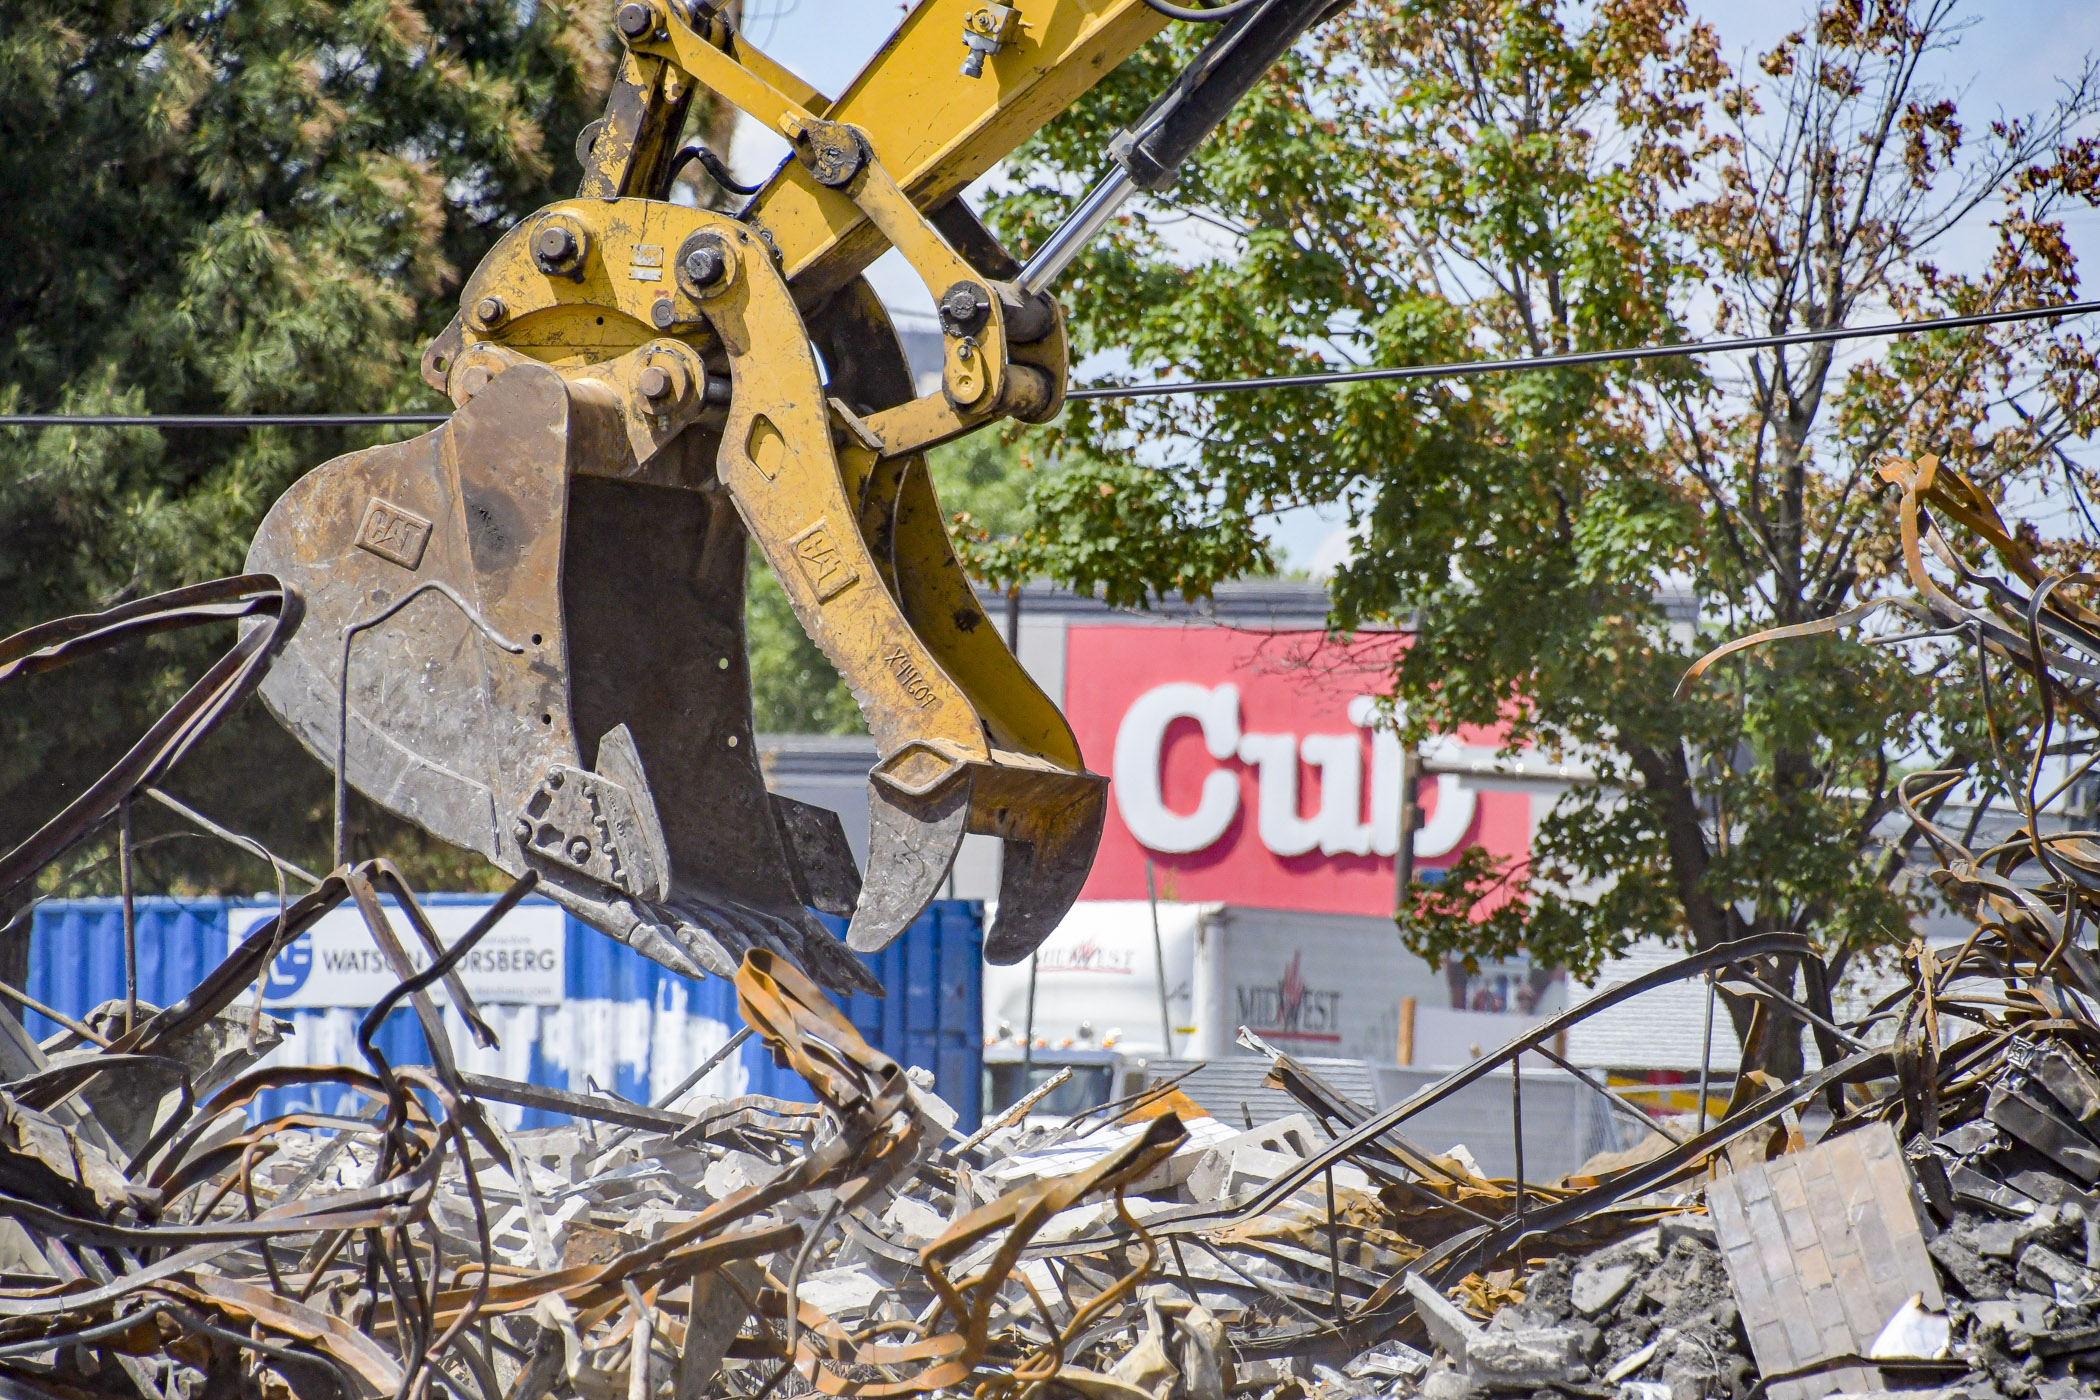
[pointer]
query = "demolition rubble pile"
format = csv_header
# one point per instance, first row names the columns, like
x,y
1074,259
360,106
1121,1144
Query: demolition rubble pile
x,y
1937,1234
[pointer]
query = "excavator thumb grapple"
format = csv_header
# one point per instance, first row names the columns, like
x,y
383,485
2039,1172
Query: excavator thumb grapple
x,y
525,630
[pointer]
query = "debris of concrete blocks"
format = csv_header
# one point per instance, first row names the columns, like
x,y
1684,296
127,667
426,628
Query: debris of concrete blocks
x,y
1949,1248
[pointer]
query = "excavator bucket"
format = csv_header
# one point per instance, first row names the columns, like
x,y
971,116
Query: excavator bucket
x,y
525,632
561,684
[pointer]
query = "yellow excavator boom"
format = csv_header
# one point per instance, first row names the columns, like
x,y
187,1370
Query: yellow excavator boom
x,y
525,628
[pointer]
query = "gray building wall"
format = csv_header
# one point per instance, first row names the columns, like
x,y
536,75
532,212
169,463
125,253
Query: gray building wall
x,y
1272,605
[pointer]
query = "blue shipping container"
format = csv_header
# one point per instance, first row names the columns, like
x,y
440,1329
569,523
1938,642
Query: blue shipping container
x,y
626,1024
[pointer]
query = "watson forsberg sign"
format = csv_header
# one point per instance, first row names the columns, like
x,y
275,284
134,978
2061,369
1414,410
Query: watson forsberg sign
x,y
522,961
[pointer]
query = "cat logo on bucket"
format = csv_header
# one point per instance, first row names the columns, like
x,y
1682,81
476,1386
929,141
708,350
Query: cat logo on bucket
x,y
395,535
822,564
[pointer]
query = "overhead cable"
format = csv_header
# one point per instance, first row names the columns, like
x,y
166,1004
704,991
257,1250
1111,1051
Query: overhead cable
x,y
1452,369
1460,369
1195,16
219,420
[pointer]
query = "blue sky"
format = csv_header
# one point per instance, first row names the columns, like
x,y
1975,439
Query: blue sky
x,y
2013,58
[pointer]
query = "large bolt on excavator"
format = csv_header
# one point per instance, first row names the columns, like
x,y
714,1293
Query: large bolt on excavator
x,y
525,629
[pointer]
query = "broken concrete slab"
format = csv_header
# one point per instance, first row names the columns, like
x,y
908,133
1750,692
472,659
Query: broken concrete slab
x,y
2045,1271
2038,1124
845,1294
1526,1358
1453,1332
1596,1287
1293,1136
1822,1247
1394,1360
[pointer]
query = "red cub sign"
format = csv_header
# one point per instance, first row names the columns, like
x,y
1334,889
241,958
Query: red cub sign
x,y
1251,780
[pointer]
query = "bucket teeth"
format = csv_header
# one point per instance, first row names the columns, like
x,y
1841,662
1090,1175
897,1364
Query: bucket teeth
x,y
1049,850
1026,783
829,962
825,877
684,950
646,857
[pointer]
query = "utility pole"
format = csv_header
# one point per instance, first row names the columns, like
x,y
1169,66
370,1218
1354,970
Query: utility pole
x,y
1028,1030
1410,823
1159,964
1403,876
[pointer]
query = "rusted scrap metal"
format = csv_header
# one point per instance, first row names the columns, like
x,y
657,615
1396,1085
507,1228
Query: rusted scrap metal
x,y
212,697
735,1246
323,1254
1667,1272
159,1243
1981,1063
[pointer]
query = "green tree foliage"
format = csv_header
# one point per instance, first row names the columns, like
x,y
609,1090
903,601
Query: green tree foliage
x,y
1433,180
261,207
794,687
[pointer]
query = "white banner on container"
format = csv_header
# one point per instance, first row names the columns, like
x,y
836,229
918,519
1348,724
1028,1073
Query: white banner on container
x,y
521,962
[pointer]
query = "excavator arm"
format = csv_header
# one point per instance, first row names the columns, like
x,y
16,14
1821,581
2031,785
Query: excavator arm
x,y
525,628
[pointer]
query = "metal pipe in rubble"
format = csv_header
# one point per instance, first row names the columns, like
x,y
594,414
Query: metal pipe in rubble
x,y
1028,1030
1148,155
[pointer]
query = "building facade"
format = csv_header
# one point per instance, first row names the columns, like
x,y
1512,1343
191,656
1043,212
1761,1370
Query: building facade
x,y
1251,780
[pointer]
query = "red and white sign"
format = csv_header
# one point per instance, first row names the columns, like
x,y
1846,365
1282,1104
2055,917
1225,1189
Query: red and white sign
x,y
1250,777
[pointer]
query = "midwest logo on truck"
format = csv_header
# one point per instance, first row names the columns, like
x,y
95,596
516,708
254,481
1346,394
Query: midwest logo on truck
x,y
1288,1009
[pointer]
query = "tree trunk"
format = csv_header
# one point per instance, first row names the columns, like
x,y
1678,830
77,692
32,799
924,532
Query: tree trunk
x,y
1711,922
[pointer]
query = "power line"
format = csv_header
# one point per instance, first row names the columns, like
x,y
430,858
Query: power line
x,y
218,420
1461,369
1457,369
